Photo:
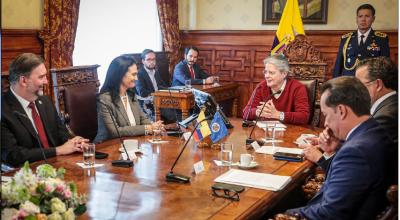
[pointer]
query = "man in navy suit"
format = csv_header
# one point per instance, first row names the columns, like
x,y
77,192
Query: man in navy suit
x,y
356,181
363,43
149,81
30,127
188,69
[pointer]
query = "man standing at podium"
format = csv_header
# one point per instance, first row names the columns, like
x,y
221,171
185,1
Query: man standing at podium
x,y
188,69
361,44
30,127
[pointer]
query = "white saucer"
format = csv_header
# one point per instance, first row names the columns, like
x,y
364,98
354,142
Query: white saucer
x,y
252,165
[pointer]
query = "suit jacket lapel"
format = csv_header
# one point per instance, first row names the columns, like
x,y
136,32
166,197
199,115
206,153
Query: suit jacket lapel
x,y
120,107
148,80
16,106
385,102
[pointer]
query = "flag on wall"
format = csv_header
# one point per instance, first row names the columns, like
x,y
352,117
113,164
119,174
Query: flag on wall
x,y
218,128
289,26
202,130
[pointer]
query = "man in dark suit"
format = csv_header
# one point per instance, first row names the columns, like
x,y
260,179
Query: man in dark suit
x,y
28,117
188,69
356,181
380,76
149,81
363,43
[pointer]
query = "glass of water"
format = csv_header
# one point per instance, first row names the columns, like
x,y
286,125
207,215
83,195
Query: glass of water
x,y
188,84
270,131
88,154
157,133
226,154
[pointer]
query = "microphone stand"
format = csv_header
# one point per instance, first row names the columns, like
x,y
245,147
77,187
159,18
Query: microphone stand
x,y
245,122
249,140
171,177
118,163
36,135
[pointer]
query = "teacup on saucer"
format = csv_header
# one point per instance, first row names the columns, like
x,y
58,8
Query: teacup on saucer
x,y
253,164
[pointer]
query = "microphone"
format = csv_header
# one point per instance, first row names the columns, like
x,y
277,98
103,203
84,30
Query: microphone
x,y
249,140
171,177
245,122
36,134
117,163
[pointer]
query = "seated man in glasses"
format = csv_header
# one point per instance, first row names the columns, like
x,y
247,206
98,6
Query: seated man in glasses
x,y
286,99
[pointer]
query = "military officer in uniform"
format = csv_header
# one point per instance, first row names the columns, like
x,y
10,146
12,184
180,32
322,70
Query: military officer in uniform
x,y
360,44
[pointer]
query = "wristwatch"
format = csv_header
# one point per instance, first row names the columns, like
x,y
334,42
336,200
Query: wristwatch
x,y
281,116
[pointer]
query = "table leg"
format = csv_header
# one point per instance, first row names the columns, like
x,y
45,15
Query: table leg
x,y
157,113
234,107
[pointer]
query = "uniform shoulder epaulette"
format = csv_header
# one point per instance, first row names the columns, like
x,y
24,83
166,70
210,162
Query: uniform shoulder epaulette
x,y
380,34
347,35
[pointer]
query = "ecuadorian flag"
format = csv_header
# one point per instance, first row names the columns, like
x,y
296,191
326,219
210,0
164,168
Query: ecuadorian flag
x,y
289,26
203,130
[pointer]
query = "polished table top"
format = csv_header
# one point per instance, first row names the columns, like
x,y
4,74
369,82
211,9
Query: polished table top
x,y
141,192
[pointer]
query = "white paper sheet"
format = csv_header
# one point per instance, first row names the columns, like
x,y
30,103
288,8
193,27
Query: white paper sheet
x,y
255,180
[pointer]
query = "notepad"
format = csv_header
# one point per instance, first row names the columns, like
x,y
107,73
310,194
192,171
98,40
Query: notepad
x,y
255,180
271,150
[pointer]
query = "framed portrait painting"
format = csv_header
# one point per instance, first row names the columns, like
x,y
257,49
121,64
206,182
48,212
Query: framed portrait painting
x,y
312,11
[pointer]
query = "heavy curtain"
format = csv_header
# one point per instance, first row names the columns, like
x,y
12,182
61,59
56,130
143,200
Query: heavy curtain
x,y
168,14
58,34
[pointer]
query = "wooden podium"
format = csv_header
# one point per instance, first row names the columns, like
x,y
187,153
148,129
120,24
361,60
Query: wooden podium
x,y
184,100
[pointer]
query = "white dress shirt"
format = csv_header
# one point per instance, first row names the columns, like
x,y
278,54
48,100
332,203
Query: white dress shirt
x,y
365,36
380,100
25,104
128,110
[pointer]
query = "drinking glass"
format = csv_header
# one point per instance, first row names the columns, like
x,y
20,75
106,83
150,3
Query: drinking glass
x,y
88,154
270,131
188,84
226,154
157,133
216,81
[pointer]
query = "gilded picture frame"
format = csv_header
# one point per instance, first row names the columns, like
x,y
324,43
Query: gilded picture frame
x,y
312,11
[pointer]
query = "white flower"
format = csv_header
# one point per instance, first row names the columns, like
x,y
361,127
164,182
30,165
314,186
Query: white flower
x,y
25,177
9,213
30,208
46,171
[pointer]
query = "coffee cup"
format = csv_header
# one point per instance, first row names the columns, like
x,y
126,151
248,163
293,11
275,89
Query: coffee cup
x,y
246,159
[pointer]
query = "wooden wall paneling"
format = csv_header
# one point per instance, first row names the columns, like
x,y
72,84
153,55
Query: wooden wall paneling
x,y
15,42
238,56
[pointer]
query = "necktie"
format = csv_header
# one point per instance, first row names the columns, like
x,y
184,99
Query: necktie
x,y
39,126
362,40
191,72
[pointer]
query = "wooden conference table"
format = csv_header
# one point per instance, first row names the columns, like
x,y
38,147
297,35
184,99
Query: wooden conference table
x,y
184,100
141,192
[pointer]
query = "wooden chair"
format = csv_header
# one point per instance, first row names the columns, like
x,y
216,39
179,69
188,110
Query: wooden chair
x,y
75,90
306,62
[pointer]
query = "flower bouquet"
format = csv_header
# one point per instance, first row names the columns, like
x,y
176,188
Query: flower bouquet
x,y
43,195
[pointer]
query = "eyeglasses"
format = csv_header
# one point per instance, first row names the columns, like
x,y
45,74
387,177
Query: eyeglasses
x,y
369,82
226,193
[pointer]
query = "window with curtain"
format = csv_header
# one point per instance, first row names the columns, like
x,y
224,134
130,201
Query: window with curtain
x,y
107,29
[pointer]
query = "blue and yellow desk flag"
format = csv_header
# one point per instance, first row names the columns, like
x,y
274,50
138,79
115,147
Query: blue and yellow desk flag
x,y
218,128
290,25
